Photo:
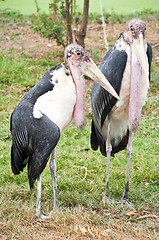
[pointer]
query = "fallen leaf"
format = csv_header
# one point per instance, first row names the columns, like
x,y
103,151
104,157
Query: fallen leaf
x,y
108,230
104,234
97,232
133,212
118,223
83,230
76,229
106,214
148,216
89,230
155,112
104,199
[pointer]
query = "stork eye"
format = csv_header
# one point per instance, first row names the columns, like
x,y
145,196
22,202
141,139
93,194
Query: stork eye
x,y
131,27
69,54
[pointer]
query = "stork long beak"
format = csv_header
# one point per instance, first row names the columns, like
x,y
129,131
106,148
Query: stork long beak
x,y
90,69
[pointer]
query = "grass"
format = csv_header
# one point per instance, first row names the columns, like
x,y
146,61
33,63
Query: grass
x,y
80,172
123,7
108,6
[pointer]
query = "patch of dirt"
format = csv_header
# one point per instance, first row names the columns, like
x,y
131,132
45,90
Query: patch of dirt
x,y
26,40
95,36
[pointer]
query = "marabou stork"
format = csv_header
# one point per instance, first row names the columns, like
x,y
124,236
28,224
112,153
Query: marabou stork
x,y
46,111
127,67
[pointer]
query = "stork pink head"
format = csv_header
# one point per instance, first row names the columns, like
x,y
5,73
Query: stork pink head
x,y
76,54
77,57
137,26
81,64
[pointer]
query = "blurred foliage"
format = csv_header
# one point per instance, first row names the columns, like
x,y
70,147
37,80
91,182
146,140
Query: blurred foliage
x,y
9,16
53,25
145,14
50,28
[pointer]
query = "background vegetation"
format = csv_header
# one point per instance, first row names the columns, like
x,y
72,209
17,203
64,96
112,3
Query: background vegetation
x,y
124,7
80,172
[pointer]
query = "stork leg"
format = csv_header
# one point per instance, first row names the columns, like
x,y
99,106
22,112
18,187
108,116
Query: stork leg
x,y
108,151
53,175
38,201
129,152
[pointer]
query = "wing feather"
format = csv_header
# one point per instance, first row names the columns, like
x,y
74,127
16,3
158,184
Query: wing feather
x,y
149,56
112,66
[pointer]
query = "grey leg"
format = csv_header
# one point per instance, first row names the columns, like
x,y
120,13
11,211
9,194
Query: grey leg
x,y
129,152
53,175
38,202
108,151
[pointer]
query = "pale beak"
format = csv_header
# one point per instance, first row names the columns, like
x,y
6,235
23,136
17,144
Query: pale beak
x,y
90,69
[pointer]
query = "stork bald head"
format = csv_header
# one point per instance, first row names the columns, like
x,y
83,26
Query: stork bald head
x,y
80,64
135,27
76,54
79,60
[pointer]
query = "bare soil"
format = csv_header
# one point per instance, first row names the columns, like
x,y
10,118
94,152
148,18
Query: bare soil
x,y
31,42
25,39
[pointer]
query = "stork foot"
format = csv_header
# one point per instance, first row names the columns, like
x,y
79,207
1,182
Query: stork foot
x,y
41,217
126,202
44,217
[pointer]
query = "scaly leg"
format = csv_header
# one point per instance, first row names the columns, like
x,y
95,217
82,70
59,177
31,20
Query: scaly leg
x,y
108,151
38,201
129,152
53,175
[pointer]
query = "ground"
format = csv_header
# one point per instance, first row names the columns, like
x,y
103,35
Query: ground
x,y
26,40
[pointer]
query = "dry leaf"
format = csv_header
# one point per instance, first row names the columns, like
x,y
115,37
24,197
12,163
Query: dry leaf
x,y
89,230
76,229
155,112
104,234
148,216
97,232
83,230
106,214
104,199
133,212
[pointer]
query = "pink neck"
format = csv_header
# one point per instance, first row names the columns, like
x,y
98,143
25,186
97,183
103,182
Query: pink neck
x,y
135,98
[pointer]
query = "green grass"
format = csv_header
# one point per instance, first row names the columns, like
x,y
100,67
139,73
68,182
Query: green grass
x,y
80,173
122,7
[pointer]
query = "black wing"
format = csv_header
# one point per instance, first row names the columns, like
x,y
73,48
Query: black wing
x,y
32,139
149,56
32,142
112,66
